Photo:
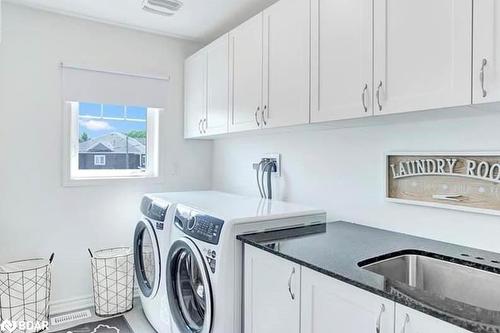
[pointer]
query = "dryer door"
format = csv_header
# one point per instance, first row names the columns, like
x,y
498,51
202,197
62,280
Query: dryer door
x,y
147,258
188,287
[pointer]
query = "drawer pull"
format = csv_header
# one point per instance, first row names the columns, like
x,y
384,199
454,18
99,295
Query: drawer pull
x,y
382,310
378,96
363,98
407,320
481,77
292,295
255,115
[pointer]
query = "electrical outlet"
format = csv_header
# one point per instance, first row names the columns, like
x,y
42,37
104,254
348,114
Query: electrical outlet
x,y
270,157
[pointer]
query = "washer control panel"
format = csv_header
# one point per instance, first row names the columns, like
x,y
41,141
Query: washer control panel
x,y
153,210
198,225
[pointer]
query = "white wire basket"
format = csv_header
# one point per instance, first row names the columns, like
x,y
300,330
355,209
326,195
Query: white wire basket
x,y
113,280
25,287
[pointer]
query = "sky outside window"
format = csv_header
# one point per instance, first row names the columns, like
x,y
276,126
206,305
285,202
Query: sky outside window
x,y
91,123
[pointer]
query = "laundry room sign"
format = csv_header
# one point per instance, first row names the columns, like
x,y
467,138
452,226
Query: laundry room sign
x,y
464,181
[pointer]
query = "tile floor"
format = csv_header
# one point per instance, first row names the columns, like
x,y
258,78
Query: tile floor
x,y
136,319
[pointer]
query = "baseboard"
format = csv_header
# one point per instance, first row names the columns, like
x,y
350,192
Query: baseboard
x,y
71,304
76,303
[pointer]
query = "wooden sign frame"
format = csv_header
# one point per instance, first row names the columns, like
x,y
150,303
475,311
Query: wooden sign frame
x,y
450,201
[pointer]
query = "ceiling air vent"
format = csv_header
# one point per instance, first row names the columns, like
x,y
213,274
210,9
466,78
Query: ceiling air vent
x,y
162,7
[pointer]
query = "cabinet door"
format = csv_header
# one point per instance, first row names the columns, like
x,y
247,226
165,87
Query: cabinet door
x,y
217,86
411,321
195,94
286,63
331,306
341,71
245,52
486,65
271,293
422,54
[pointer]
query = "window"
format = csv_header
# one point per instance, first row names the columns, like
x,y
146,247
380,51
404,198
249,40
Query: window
x,y
111,124
112,141
99,160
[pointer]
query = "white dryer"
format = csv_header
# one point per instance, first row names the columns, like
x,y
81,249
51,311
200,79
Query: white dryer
x,y
151,244
204,264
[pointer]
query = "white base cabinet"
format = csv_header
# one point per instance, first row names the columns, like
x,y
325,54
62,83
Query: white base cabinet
x,y
271,293
331,306
281,296
486,64
411,321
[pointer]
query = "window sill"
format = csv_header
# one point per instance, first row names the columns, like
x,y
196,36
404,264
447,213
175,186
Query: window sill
x,y
118,180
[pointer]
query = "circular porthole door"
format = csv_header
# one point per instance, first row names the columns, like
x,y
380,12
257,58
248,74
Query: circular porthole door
x,y
188,288
147,259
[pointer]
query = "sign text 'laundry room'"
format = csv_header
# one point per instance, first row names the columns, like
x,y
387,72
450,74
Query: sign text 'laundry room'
x,y
447,166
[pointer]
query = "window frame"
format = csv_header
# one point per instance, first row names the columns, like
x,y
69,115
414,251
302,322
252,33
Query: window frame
x,y
73,176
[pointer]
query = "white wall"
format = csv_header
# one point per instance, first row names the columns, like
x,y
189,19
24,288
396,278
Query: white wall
x,y
342,171
39,216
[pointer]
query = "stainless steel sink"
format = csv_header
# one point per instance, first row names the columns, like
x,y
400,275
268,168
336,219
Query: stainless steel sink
x,y
442,278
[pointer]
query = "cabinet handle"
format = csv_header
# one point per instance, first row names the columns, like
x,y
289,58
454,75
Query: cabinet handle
x,y
264,116
481,76
199,126
378,96
363,97
255,115
407,320
292,295
204,125
382,310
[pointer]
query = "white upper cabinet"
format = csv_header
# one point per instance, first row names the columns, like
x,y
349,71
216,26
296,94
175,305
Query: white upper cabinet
x,y
245,57
329,305
271,293
411,321
286,63
486,64
195,95
302,61
217,86
207,90
341,68
422,54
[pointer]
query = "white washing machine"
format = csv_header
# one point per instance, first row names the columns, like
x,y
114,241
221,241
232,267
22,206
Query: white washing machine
x,y
205,260
151,245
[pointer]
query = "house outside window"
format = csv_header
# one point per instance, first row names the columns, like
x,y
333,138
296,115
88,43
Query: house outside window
x,y
110,141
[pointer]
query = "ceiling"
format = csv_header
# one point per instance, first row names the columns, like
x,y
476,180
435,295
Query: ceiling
x,y
200,20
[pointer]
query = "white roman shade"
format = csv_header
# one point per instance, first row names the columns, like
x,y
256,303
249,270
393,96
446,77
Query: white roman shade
x,y
97,86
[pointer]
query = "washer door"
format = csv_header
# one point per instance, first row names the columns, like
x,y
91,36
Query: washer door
x,y
188,288
147,258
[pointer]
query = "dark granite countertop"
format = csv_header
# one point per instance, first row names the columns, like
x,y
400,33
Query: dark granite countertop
x,y
337,249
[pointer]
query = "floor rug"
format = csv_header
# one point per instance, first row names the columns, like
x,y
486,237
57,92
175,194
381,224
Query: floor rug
x,y
111,325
